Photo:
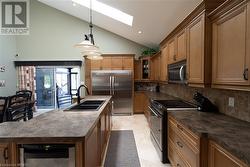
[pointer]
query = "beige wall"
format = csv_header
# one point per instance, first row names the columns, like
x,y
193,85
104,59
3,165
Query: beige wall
x,y
7,56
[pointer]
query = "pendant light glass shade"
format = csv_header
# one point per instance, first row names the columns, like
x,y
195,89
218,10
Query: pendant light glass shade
x,y
87,46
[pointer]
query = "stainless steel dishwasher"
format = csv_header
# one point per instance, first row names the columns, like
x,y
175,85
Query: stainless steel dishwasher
x,y
44,155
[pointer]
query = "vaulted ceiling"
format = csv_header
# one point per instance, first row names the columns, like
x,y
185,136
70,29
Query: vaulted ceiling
x,y
154,18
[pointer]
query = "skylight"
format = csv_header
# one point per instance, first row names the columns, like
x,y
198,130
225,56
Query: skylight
x,y
107,11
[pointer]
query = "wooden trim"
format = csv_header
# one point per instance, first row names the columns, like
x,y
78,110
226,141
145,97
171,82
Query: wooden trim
x,y
110,55
49,63
79,154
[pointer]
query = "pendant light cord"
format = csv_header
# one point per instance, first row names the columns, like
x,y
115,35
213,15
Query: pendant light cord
x,y
90,23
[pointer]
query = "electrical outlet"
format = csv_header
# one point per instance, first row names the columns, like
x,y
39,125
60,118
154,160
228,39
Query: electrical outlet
x,y
2,83
2,68
231,101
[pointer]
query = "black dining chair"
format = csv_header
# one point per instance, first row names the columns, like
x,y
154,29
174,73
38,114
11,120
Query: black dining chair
x,y
18,107
31,103
3,107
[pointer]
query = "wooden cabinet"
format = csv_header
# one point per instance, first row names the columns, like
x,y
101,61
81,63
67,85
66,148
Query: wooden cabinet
x,y
139,102
181,46
96,64
218,157
163,64
155,67
92,156
137,70
196,51
171,51
96,140
4,152
231,47
146,68
114,62
177,48
106,63
127,63
185,148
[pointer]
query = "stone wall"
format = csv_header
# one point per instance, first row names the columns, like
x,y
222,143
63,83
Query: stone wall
x,y
219,97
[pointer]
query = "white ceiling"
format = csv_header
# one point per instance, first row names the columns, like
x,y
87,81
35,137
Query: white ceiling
x,y
155,18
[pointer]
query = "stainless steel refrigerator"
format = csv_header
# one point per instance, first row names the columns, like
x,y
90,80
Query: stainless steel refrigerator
x,y
118,84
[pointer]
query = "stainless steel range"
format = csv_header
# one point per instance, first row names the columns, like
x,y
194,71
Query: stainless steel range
x,y
159,123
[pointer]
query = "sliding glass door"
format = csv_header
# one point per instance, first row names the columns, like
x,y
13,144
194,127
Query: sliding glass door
x,y
45,88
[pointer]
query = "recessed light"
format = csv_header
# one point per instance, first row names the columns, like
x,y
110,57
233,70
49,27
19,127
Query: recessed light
x,y
74,4
139,32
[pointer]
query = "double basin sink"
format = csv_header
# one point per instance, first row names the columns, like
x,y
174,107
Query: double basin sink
x,y
87,105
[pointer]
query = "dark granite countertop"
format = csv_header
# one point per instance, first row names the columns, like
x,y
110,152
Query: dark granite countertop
x,y
230,133
158,95
57,124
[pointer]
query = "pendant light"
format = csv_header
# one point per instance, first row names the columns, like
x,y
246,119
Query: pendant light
x,y
88,47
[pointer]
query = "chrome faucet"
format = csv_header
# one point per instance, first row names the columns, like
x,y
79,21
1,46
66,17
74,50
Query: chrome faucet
x,y
78,92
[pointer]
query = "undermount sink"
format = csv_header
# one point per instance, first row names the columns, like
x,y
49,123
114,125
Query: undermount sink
x,y
88,105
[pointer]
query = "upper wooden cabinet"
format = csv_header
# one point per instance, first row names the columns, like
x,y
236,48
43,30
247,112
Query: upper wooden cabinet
x,y
127,63
177,49
114,62
196,51
163,64
155,67
231,47
106,63
137,69
218,157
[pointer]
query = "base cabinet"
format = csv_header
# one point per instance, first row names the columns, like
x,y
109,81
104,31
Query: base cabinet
x,y
219,157
4,154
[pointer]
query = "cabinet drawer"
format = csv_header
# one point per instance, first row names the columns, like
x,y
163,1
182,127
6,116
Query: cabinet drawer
x,y
174,157
189,152
185,133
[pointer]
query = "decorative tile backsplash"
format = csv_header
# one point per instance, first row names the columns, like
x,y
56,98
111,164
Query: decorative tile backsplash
x,y
219,97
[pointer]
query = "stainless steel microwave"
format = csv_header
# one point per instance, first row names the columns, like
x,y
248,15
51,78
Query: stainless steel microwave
x,y
177,72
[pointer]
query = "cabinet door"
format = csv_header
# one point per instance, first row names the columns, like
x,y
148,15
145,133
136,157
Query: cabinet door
x,y
4,152
171,51
152,69
231,48
219,157
92,158
181,45
116,63
106,63
128,63
137,70
138,102
96,64
195,51
163,64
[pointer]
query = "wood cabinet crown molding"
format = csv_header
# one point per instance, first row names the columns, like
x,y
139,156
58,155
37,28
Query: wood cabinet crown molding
x,y
205,5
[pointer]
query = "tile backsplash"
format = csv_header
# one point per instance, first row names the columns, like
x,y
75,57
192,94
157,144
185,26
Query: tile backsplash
x,y
219,97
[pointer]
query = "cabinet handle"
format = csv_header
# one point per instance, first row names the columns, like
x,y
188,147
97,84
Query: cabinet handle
x,y
179,144
5,154
174,57
178,165
245,74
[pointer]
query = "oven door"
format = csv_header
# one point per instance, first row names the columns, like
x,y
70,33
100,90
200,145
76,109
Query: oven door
x,y
156,126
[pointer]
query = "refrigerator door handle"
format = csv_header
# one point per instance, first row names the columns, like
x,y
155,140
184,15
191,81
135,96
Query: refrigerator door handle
x,y
113,84
110,85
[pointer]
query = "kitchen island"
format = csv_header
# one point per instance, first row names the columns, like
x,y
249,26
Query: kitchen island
x,y
87,130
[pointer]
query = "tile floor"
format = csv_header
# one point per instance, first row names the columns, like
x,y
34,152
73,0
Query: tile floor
x,y
146,151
